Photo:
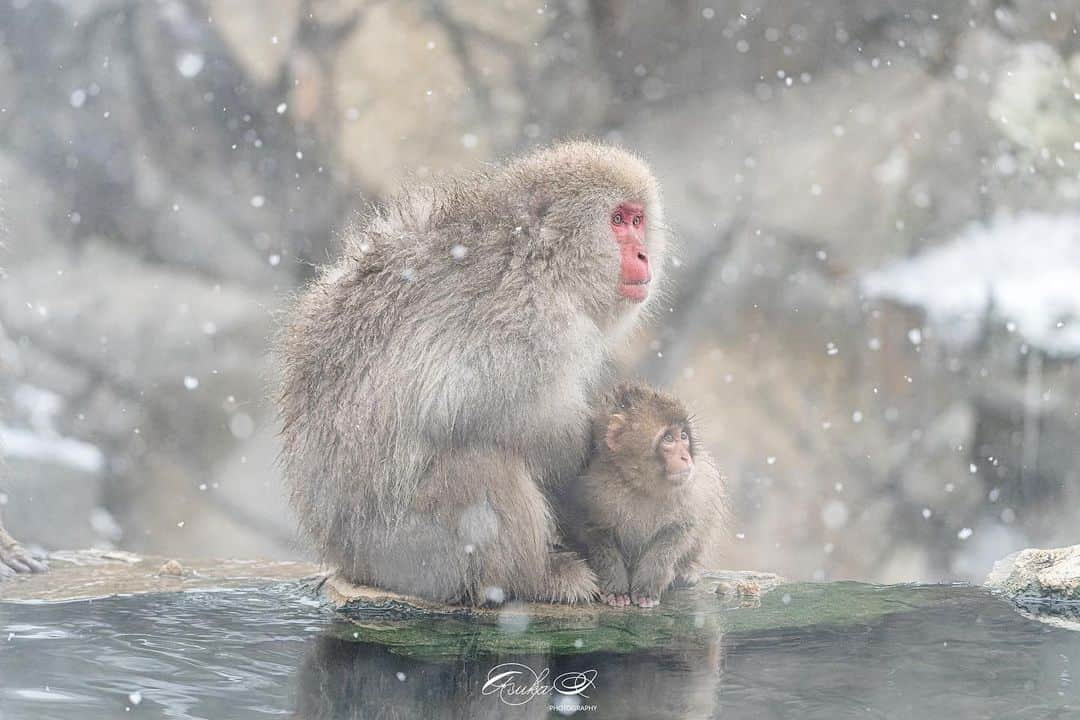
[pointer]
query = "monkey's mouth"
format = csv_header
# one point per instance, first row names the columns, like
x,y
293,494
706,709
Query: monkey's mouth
x,y
635,291
678,478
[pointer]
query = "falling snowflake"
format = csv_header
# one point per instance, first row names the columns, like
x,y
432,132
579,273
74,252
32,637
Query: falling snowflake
x,y
189,64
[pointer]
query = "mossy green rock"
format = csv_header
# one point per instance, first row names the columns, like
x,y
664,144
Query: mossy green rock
x,y
724,603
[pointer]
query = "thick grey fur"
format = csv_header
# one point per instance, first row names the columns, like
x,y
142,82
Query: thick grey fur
x,y
640,533
438,377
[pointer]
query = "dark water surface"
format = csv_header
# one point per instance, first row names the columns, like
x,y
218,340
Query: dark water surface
x,y
266,653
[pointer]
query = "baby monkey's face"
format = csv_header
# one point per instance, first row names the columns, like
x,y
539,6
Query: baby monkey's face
x,y
647,439
673,451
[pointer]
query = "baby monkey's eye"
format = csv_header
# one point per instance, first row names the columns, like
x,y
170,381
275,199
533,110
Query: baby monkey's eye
x,y
684,435
617,218
637,220
668,437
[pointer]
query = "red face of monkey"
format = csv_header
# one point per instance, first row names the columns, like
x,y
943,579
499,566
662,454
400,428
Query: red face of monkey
x,y
628,228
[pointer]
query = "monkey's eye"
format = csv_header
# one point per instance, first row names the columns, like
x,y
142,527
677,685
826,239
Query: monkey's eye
x,y
637,220
668,437
684,435
617,219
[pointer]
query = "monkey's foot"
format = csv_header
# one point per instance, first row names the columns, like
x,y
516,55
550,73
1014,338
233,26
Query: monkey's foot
x,y
645,601
15,559
615,600
570,580
685,580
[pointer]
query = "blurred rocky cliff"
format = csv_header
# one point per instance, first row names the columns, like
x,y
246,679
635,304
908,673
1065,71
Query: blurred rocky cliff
x,y
871,312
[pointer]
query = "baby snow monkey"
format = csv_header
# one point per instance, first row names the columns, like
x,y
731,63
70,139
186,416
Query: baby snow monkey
x,y
649,500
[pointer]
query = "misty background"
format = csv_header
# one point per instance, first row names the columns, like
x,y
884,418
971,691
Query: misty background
x,y
874,309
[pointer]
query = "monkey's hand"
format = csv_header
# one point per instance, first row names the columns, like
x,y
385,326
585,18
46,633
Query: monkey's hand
x,y
646,587
614,584
611,575
15,559
655,571
687,576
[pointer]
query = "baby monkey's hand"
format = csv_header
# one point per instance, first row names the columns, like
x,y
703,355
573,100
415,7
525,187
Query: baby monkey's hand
x,y
616,600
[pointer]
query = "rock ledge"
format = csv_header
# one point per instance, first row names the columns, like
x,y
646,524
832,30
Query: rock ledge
x,y
1040,581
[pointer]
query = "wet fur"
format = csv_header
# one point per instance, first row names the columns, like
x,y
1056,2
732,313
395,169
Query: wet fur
x,y
432,402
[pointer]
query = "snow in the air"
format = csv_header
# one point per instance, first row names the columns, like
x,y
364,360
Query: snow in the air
x,y
189,64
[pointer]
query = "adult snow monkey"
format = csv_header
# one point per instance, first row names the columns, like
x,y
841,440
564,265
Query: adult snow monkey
x,y
438,377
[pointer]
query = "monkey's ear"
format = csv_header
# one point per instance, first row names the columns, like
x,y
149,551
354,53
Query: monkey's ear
x,y
615,428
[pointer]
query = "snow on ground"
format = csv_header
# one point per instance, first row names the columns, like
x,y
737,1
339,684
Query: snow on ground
x,y
1025,269
41,441
29,445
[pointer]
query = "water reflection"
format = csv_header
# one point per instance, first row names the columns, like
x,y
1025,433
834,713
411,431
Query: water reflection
x,y
249,654
979,659
342,679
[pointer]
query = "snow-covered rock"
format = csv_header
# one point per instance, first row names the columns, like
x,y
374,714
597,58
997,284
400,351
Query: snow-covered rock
x,y
1021,270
